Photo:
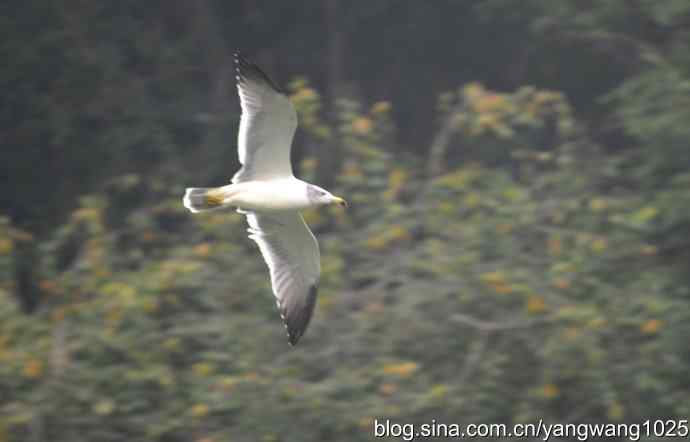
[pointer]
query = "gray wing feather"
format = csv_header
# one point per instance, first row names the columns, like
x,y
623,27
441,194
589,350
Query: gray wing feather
x,y
292,254
267,125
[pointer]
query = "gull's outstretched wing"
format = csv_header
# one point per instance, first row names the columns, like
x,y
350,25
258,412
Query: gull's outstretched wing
x,y
267,126
292,255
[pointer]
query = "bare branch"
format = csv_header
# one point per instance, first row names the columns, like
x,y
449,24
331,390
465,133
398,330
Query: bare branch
x,y
489,326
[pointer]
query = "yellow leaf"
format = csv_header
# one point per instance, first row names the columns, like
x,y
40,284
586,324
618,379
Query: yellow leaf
x,y
504,228
472,91
597,204
646,213
202,249
229,382
459,179
125,293
6,246
648,250
48,286
202,369
396,181
365,423
166,380
398,233
380,107
651,326
543,97
616,411
388,389
550,391
361,125
150,306
502,289
102,272
33,368
377,242
561,283
439,391
563,267
495,277
599,245
148,235
104,407
199,410
472,200
535,304
304,94
402,369
113,315
171,344
86,214
58,314
487,120
489,102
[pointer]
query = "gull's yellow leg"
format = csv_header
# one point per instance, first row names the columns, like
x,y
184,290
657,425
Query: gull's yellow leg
x,y
215,197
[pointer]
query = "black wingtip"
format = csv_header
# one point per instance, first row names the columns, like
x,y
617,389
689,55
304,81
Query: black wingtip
x,y
247,70
296,322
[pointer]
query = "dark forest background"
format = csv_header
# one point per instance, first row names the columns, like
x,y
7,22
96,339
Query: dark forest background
x,y
517,245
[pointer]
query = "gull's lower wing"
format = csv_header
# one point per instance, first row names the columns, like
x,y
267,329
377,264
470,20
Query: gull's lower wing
x,y
267,126
292,254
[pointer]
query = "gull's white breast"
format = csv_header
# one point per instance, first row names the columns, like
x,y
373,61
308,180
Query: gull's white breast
x,y
268,195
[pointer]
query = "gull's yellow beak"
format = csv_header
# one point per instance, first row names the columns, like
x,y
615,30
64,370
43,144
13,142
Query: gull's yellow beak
x,y
339,201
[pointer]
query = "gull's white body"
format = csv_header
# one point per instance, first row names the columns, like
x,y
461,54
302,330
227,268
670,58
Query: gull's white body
x,y
266,191
271,195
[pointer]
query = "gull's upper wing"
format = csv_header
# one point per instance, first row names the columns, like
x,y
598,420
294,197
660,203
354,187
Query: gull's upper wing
x,y
267,126
292,255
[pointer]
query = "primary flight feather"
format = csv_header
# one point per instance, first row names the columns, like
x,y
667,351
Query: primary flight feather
x,y
267,192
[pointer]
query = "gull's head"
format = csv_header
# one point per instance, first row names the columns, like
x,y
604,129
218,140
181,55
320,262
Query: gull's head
x,y
321,197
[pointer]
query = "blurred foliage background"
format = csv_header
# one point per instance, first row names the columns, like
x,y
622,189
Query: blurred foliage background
x,y
517,244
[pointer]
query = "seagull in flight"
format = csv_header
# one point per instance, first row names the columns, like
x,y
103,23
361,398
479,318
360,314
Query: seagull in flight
x,y
266,191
